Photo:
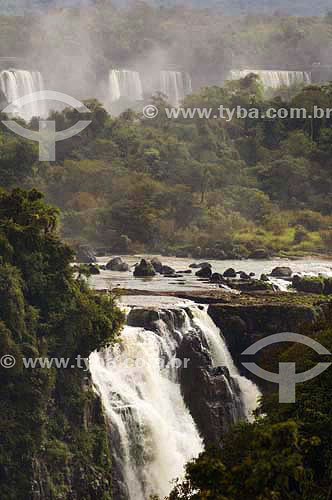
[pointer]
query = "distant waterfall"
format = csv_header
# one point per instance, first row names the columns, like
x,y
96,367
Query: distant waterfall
x,y
16,83
175,85
152,432
125,83
275,79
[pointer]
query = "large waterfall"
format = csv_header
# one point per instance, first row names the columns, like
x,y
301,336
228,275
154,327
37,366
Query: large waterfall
x,y
275,79
152,431
175,85
125,83
16,83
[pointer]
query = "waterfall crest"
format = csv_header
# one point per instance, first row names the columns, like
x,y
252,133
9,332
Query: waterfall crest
x,y
16,83
275,79
175,85
153,434
125,83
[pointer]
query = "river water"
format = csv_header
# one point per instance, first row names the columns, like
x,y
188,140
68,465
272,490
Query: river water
x,y
189,282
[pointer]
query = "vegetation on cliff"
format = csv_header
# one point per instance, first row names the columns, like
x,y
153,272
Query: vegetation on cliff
x,y
54,440
286,454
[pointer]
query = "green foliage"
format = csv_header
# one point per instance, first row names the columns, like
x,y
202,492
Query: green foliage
x,y
286,454
51,426
169,184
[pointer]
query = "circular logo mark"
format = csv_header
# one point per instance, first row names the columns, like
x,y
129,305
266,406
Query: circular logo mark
x,y
7,361
150,111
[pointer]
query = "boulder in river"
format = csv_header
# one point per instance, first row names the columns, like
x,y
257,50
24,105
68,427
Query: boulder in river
x,y
218,278
168,271
157,265
230,273
117,264
282,272
205,272
144,269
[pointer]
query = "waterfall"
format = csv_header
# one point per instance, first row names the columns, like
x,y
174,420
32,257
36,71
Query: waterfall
x,y
222,357
16,83
275,79
152,432
175,85
125,83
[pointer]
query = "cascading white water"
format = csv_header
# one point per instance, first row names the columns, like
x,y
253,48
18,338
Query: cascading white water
x,y
125,83
222,357
140,390
175,85
16,83
275,79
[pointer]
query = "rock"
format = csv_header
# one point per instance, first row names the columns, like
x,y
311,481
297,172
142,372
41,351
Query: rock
x,y
168,271
117,264
282,272
188,271
244,276
244,324
252,275
251,285
264,277
93,269
204,388
85,255
308,284
205,272
230,273
218,278
205,264
144,318
157,265
144,269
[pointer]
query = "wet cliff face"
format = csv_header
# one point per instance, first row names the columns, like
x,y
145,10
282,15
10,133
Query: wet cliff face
x,y
244,324
212,395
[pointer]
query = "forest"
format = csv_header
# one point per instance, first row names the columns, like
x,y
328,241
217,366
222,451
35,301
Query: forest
x,y
247,188
204,187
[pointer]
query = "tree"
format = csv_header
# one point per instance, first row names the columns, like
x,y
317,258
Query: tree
x,y
45,312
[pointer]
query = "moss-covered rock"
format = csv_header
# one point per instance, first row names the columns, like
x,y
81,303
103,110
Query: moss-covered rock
x,y
144,269
309,284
